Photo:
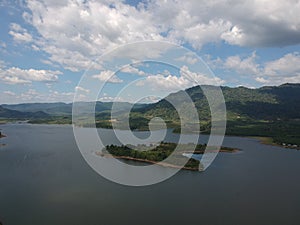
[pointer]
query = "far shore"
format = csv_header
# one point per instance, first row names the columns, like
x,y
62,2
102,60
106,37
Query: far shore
x,y
269,141
263,140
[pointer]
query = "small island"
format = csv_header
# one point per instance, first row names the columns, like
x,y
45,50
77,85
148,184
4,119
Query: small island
x,y
156,154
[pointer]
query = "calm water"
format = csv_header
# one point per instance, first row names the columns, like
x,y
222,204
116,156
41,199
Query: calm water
x,y
44,180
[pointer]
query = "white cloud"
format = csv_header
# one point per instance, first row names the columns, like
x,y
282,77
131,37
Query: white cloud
x,y
245,23
245,66
14,80
201,33
166,83
55,96
15,75
199,78
289,64
85,29
108,76
77,88
283,70
112,99
19,34
189,58
133,70
32,95
9,93
73,32
278,79
262,23
186,80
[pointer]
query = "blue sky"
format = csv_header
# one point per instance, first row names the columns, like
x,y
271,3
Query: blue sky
x,y
47,45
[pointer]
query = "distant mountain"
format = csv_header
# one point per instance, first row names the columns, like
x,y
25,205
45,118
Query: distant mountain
x,y
14,114
268,111
269,103
65,109
266,103
58,108
272,111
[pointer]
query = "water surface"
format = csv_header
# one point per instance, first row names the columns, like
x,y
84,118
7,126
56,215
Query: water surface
x,y
44,180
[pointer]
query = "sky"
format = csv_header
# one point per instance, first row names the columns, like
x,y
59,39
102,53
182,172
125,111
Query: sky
x,y
48,46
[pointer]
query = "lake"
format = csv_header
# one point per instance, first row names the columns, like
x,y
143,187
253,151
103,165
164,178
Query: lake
x,y
44,180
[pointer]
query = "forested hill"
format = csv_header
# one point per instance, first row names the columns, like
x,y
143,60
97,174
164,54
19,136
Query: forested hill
x,y
14,114
266,103
267,111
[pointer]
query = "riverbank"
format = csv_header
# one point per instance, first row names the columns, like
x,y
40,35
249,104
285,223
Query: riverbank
x,y
287,138
269,141
263,139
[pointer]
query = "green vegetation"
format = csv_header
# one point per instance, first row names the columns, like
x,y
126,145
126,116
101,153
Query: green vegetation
x,y
8,114
52,120
266,112
280,131
157,154
154,154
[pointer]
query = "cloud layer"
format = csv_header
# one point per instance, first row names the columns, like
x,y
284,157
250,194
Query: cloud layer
x,y
283,70
72,32
15,75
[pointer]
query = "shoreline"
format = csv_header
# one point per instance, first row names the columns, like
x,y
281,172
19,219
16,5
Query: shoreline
x,y
263,139
269,141
235,150
199,152
146,161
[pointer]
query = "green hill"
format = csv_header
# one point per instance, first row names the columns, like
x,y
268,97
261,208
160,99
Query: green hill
x,y
14,114
267,111
266,103
272,111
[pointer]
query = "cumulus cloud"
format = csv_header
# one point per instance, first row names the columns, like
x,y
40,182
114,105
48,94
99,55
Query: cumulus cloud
x,y
85,29
56,96
288,64
187,79
10,93
19,34
199,78
78,88
283,70
262,23
73,32
189,58
32,95
132,70
112,99
15,75
245,23
243,66
107,76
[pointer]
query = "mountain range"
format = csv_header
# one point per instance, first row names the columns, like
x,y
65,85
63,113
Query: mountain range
x,y
267,111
